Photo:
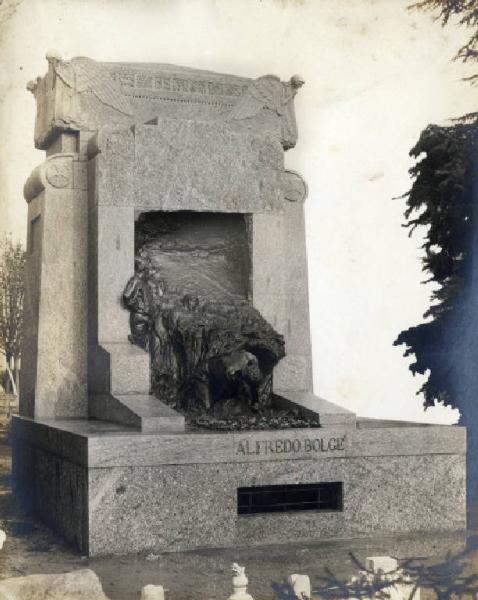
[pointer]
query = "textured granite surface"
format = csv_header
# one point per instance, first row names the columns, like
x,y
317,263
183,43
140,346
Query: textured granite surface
x,y
54,370
128,492
52,487
189,165
61,496
280,290
194,506
95,443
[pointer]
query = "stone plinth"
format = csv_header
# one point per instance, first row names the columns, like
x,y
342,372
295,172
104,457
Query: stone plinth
x,y
110,489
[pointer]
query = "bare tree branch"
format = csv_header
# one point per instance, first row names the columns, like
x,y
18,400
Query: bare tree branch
x,y
12,264
466,12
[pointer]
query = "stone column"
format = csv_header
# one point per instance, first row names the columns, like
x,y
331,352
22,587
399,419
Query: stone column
x,y
54,369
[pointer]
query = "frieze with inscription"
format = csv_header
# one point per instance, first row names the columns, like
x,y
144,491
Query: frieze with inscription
x,y
131,79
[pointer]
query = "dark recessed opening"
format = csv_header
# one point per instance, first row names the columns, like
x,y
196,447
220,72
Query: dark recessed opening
x,y
198,253
285,498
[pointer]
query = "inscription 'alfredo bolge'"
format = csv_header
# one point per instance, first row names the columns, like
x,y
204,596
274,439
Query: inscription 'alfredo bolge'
x,y
290,446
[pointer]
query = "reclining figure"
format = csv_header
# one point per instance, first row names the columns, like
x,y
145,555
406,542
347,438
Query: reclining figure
x,y
206,356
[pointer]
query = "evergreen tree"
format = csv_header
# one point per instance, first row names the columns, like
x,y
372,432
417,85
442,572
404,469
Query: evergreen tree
x,y
443,198
466,14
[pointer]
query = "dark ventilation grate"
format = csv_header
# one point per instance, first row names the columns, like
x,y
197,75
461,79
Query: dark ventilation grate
x,y
285,498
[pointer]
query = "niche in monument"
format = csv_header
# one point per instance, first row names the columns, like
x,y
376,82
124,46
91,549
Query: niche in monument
x,y
190,302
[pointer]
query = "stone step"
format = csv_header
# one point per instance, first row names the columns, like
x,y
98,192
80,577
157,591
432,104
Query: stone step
x,y
143,411
330,415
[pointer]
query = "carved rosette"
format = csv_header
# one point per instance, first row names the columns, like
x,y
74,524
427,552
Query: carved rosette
x,y
55,172
294,186
58,171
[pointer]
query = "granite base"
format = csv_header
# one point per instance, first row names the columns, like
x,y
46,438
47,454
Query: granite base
x,y
108,489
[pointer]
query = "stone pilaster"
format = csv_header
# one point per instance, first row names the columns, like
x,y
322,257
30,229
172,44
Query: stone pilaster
x,y
54,370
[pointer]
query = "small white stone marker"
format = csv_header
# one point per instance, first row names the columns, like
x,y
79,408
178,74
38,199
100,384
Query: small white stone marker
x,y
388,568
381,564
301,586
239,583
152,592
3,537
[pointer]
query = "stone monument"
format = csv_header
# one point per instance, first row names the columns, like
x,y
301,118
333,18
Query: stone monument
x,y
166,393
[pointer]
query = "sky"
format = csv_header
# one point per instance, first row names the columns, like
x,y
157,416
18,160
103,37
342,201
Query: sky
x,y
376,74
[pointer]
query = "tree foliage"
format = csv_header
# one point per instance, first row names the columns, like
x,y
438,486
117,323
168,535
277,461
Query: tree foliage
x,y
443,198
12,264
466,13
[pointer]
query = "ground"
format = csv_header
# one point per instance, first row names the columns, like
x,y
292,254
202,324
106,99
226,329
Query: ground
x,y
200,575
